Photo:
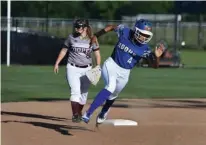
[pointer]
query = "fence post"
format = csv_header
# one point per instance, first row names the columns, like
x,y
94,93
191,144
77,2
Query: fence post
x,y
155,30
47,16
200,34
16,24
177,34
8,32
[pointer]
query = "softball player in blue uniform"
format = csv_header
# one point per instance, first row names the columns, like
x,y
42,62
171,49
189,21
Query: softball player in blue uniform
x,y
130,49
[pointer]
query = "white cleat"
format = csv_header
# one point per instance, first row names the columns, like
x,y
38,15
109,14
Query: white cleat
x,y
101,117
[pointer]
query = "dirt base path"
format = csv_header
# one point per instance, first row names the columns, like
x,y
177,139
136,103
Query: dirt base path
x,y
160,122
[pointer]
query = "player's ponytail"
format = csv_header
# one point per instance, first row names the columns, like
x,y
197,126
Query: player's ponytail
x,y
89,29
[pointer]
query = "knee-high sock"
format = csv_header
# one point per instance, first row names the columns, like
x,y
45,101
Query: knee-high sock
x,y
80,109
98,101
75,107
107,105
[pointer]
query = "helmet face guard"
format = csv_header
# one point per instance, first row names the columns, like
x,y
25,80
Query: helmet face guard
x,y
79,24
142,31
142,36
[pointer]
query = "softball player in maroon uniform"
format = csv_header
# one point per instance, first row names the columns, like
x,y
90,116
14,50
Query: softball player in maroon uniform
x,y
79,48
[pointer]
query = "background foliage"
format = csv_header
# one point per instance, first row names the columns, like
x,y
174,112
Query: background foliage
x,y
99,9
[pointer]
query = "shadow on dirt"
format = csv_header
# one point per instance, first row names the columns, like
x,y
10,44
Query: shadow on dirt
x,y
192,106
63,129
48,99
161,104
151,103
186,101
33,115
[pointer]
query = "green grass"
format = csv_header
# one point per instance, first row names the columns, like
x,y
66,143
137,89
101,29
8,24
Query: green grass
x,y
194,58
22,83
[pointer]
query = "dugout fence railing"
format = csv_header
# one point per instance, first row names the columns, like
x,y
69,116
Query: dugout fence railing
x,y
192,34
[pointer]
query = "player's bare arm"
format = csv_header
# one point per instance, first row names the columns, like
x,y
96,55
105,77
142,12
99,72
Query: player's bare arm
x,y
59,59
97,57
108,28
153,60
96,52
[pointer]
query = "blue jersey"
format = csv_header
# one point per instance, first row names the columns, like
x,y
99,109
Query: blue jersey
x,y
126,53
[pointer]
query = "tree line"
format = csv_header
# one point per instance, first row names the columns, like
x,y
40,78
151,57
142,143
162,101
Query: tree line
x,y
98,9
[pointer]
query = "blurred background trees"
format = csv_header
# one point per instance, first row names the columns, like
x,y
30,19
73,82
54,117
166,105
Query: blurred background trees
x,y
100,9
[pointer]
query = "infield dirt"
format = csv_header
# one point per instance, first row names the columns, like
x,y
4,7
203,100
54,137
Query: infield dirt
x,y
160,122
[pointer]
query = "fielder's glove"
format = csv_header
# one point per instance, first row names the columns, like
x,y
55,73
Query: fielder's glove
x,y
94,75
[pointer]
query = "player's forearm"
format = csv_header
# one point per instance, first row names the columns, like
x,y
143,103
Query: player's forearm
x,y
108,28
97,57
152,60
156,63
61,56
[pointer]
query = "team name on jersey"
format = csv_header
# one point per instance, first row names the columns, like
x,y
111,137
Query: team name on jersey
x,y
81,50
125,48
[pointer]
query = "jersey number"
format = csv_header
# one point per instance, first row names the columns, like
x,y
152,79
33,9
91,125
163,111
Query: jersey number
x,y
129,60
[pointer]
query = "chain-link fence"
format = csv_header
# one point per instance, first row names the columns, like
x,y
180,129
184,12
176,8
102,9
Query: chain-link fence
x,y
192,33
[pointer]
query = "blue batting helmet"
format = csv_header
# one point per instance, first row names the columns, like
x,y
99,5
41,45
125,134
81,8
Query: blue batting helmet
x,y
142,31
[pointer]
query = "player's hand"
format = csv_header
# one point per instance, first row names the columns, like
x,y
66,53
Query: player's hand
x,y
159,50
56,68
98,67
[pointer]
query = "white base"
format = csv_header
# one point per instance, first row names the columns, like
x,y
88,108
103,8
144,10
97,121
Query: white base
x,y
120,122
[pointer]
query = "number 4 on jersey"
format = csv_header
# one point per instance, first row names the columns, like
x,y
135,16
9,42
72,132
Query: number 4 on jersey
x,y
129,60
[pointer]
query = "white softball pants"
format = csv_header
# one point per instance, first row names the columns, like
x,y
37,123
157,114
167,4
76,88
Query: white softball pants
x,y
115,77
78,82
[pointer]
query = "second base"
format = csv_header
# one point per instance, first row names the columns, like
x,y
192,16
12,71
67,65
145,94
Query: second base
x,y
120,122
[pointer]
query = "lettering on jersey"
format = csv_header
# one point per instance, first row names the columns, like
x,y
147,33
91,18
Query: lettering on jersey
x,y
86,51
125,48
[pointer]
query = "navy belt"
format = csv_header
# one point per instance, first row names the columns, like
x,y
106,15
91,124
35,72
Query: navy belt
x,y
84,66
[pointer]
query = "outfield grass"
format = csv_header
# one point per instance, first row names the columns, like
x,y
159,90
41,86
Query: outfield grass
x,y
194,58
33,82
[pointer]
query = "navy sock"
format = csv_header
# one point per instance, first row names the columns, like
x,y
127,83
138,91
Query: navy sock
x,y
107,105
98,101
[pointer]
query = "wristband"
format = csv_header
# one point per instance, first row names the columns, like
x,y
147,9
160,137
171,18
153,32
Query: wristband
x,y
101,32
